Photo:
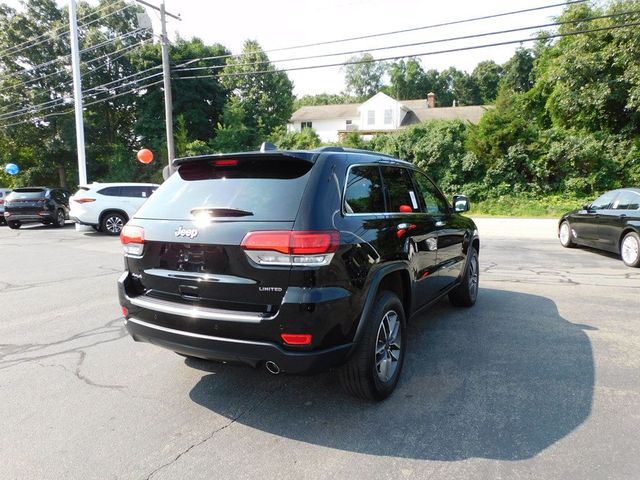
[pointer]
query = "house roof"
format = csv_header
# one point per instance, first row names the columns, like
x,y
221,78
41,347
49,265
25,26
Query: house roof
x,y
417,112
325,112
421,113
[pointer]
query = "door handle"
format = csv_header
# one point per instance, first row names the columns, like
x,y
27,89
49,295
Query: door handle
x,y
402,228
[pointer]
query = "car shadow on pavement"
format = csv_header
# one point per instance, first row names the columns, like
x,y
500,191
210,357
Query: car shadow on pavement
x,y
503,380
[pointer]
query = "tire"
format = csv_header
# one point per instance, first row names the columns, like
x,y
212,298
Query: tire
x,y
465,294
2,220
14,225
373,370
630,249
112,223
564,234
59,220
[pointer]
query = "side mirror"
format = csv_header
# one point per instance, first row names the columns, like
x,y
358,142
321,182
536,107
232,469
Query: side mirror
x,y
586,207
461,203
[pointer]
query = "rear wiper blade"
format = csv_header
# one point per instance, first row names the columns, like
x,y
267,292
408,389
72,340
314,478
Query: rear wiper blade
x,y
221,212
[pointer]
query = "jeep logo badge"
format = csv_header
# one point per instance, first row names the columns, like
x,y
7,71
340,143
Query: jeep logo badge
x,y
186,232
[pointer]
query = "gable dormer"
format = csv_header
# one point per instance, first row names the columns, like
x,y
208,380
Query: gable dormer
x,y
381,112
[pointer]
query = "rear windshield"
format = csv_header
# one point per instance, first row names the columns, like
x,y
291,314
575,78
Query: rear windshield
x,y
265,188
26,193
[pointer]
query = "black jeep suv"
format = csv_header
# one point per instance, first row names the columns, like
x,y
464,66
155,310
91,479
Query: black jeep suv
x,y
296,260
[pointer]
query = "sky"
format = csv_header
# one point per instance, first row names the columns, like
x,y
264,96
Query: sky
x,y
277,24
283,23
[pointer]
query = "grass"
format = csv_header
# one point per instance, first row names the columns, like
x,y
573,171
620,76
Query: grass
x,y
552,206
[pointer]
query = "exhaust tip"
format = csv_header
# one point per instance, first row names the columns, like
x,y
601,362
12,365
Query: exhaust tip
x,y
272,367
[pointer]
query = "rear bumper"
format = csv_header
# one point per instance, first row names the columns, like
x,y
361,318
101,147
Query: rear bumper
x,y
29,217
148,319
235,351
81,222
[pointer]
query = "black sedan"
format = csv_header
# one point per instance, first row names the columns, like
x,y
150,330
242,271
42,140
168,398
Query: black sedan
x,y
611,222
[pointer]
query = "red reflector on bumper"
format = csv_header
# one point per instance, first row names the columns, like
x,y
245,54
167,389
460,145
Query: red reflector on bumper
x,y
125,311
297,338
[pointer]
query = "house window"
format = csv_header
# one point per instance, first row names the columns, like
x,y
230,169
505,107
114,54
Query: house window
x,y
304,125
349,122
371,117
388,117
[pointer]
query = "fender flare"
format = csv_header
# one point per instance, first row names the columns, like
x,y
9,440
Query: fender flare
x,y
371,297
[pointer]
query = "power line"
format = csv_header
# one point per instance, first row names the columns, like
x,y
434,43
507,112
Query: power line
x,y
62,57
47,37
424,54
125,50
415,44
48,115
62,100
395,32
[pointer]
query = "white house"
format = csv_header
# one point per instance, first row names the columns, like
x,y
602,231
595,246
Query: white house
x,y
379,114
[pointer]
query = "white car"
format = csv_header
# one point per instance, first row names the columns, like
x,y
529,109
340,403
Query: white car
x,y
3,196
108,206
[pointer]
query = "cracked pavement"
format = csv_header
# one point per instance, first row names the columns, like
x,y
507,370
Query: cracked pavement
x,y
538,380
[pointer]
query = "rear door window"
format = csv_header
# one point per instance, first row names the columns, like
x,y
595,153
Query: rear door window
x,y
364,192
133,191
400,190
260,188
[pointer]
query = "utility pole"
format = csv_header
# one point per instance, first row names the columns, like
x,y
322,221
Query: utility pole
x,y
166,71
168,99
77,93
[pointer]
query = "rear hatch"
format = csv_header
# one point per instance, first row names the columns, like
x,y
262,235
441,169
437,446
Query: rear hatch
x,y
195,222
26,201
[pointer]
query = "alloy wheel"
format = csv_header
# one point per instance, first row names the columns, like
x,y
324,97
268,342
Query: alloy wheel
x,y
388,346
114,224
630,249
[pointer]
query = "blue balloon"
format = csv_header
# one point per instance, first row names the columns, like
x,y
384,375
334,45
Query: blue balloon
x,y
12,169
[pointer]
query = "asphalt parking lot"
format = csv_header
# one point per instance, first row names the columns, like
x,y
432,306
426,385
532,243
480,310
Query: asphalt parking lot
x,y
539,380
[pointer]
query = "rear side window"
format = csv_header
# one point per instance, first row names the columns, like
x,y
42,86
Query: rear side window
x,y
399,186
110,191
364,192
627,201
261,188
133,191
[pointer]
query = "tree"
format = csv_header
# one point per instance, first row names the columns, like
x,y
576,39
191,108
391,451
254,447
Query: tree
x,y
487,76
407,80
518,73
322,99
364,78
264,93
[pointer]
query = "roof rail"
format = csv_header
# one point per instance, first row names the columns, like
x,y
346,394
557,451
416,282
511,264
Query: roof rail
x,y
329,149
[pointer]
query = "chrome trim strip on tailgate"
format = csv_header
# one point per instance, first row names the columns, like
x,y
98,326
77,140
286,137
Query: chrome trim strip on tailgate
x,y
200,277
172,308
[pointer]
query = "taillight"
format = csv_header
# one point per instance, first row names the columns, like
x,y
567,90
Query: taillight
x,y
305,248
83,200
1,202
132,239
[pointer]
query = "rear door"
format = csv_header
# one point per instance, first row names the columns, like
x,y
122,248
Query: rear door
x,y
195,222
412,231
132,198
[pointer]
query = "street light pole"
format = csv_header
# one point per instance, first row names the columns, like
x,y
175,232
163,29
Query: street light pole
x,y
77,93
